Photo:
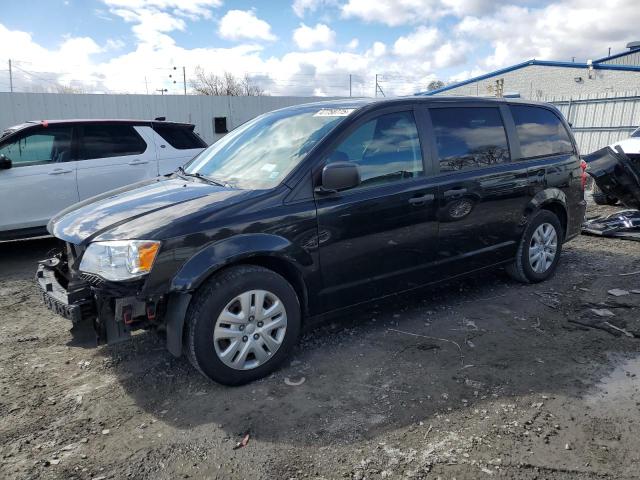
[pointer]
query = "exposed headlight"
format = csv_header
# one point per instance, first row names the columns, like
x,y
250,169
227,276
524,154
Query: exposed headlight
x,y
120,259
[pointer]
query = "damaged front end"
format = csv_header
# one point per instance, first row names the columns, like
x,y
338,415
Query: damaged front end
x,y
111,309
617,174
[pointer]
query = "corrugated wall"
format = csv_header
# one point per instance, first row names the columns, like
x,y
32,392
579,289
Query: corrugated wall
x,y
200,110
631,58
600,120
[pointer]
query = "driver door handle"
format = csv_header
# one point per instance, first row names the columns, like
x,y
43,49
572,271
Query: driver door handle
x,y
422,199
138,162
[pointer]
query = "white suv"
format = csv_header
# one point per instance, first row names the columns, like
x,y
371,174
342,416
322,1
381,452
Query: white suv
x,y
47,166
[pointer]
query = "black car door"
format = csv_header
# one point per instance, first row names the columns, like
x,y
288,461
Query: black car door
x,y
481,195
380,236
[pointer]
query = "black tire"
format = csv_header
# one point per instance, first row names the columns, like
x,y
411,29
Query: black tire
x,y
207,304
521,269
602,198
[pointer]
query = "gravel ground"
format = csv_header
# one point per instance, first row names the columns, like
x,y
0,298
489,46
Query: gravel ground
x,y
478,378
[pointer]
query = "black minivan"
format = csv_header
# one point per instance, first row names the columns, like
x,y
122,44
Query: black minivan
x,y
311,209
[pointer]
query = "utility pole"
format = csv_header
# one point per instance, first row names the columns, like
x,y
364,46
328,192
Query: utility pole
x,y
184,79
10,77
349,84
379,88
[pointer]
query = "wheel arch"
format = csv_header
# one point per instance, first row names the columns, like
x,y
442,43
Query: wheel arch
x,y
268,251
553,200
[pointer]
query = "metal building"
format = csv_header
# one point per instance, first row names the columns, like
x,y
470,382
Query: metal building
x,y
539,79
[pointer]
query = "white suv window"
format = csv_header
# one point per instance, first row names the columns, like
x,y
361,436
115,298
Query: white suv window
x,y
104,141
51,144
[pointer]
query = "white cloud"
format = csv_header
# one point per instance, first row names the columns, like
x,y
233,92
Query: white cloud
x,y
379,49
417,42
243,24
393,12
309,37
353,44
300,7
573,28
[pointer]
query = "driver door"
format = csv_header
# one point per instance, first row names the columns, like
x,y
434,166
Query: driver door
x,y
42,177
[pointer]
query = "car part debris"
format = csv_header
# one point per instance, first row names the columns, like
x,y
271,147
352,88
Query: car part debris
x,y
602,312
616,174
294,383
624,224
242,443
618,292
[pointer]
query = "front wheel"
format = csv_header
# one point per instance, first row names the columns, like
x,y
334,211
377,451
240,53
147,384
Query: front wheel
x,y
539,249
241,324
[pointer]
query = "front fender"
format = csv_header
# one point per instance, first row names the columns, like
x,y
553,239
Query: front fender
x,y
234,249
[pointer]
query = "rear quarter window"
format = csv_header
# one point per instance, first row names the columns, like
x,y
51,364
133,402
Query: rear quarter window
x,y
180,137
540,131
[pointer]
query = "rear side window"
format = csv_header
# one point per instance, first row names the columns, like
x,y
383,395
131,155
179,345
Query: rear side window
x,y
386,149
468,138
540,132
181,137
103,141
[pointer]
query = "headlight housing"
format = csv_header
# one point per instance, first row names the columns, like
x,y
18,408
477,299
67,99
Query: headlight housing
x,y
120,259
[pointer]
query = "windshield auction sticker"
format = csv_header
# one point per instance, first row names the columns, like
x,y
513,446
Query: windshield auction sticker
x,y
333,112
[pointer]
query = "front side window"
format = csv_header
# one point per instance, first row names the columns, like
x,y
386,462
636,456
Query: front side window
x,y
262,152
540,132
386,149
51,144
104,141
469,138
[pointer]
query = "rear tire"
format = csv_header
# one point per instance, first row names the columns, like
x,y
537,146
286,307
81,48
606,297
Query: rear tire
x,y
241,324
539,249
602,198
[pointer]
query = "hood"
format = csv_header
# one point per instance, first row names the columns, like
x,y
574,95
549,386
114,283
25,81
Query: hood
x,y
629,145
86,220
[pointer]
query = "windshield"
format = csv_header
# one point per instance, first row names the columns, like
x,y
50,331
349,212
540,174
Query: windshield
x,y
636,133
260,153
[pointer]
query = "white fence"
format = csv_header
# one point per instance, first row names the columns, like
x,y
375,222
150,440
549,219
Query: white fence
x,y
17,108
598,121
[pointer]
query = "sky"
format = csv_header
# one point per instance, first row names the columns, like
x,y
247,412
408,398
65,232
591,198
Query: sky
x,y
296,47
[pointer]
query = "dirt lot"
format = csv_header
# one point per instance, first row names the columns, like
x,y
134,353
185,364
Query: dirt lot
x,y
475,379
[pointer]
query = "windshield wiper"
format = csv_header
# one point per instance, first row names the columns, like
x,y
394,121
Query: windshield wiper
x,y
202,177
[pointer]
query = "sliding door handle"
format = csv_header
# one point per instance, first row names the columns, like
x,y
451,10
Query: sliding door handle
x,y
422,199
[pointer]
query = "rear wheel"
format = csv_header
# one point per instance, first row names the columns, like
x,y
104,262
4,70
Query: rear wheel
x,y
241,324
539,249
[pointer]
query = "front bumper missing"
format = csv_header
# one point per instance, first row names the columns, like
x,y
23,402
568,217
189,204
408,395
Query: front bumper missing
x,y
111,313
75,302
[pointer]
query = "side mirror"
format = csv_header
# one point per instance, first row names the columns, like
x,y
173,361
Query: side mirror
x,y
338,176
5,163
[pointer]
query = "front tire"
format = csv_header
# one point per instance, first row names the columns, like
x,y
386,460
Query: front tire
x,y
539,249
241,324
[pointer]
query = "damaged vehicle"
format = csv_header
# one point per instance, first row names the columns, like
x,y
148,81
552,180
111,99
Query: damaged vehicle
x,y
630,147
313,209
617,175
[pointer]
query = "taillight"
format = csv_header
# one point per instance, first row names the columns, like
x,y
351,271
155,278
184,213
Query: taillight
x,y
583,175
